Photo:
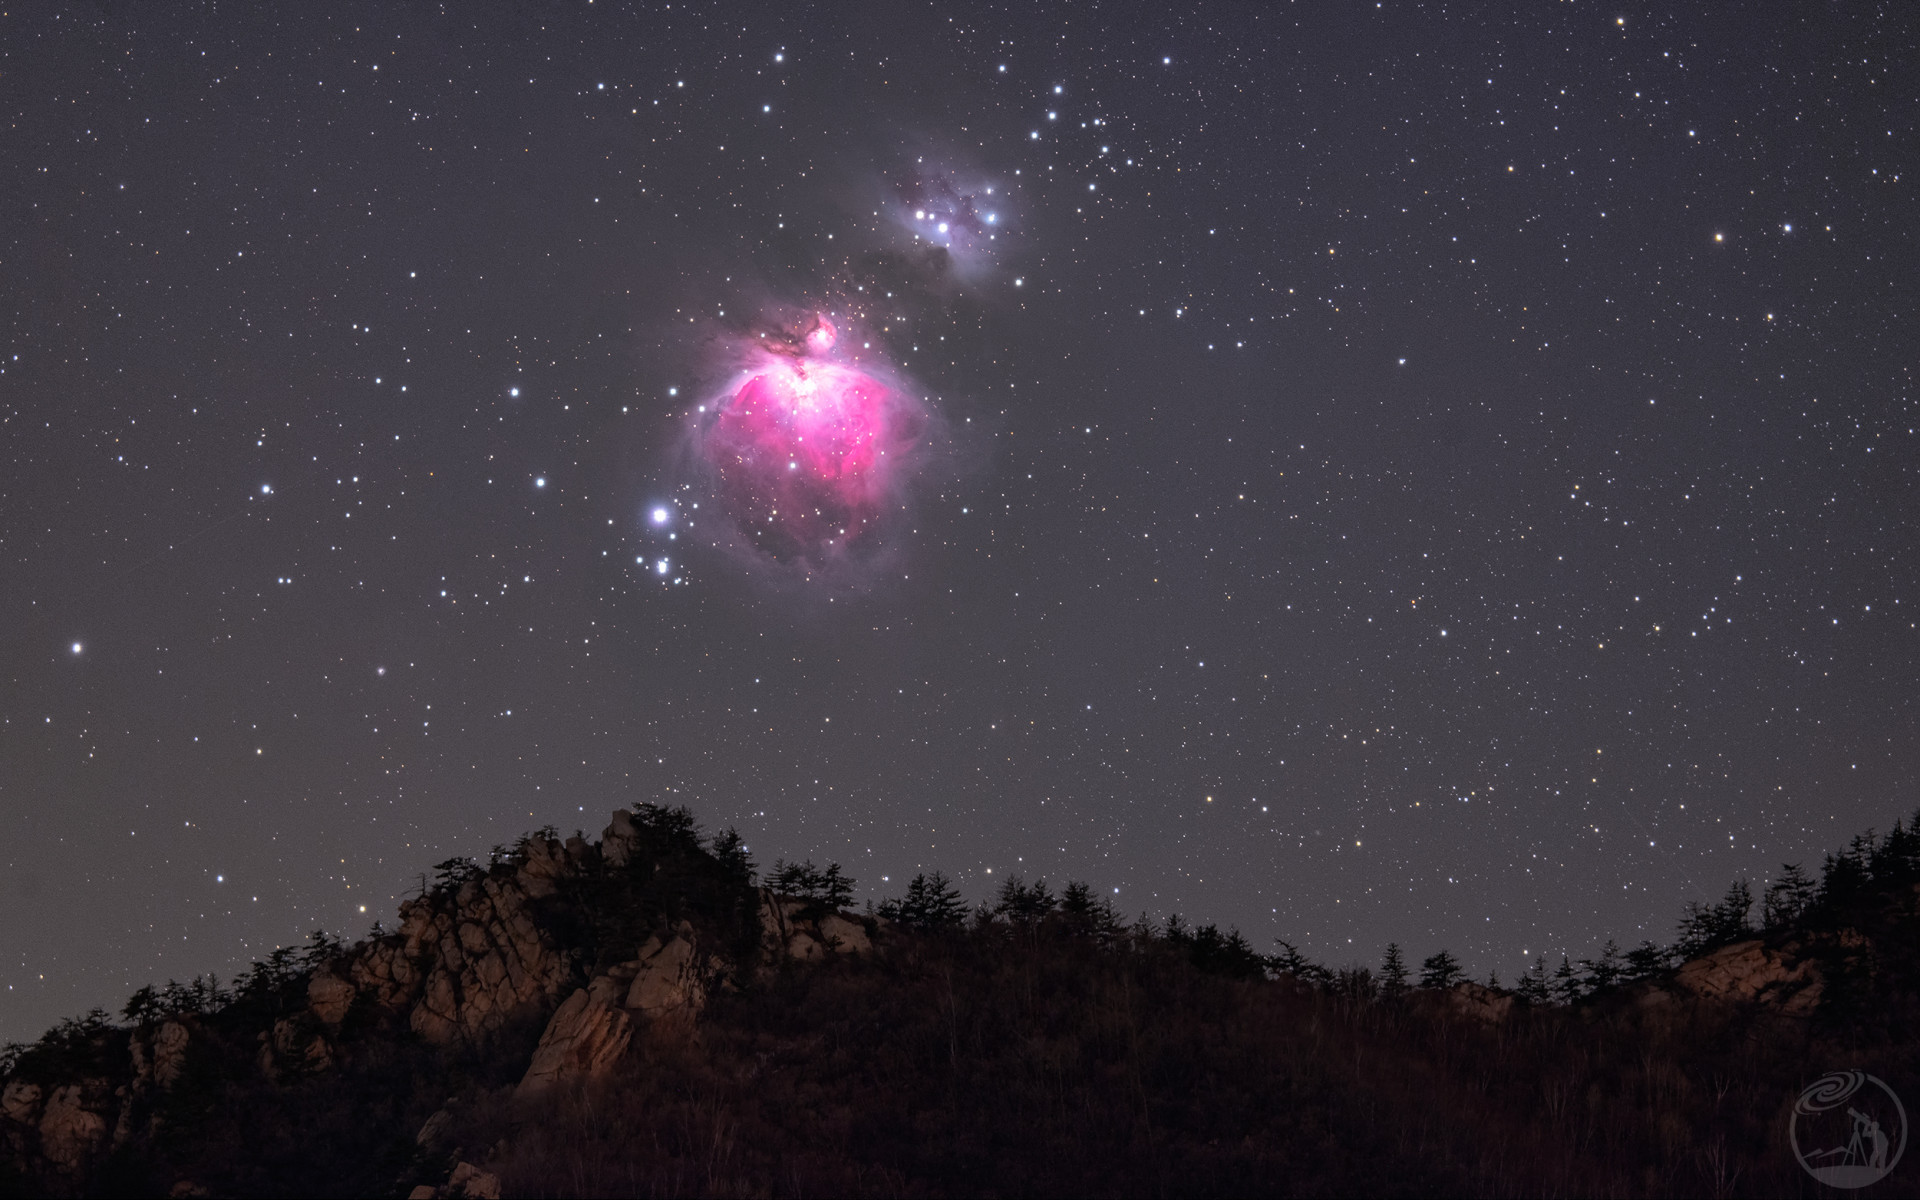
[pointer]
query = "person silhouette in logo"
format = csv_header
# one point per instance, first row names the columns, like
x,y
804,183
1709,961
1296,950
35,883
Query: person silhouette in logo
x,y
1867,1132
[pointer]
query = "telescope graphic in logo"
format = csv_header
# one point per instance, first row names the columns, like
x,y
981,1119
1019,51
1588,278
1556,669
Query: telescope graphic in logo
x,y
1848,1129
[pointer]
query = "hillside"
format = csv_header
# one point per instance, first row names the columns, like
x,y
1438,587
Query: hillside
x,y
643,1015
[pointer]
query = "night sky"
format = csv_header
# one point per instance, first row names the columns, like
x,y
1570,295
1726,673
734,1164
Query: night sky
x,y
1383,472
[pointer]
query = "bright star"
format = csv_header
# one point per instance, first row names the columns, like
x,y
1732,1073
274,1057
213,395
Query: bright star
x,y
660,516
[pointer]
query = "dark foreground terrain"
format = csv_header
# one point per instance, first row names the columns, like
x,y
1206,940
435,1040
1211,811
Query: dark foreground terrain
x,y
637,1016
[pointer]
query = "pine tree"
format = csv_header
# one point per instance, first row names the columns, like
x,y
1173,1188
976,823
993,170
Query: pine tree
x,y
1646,960
931,902
1291,962
1566,984
1393,973
831,888
1787,898
1607,970
731,849
1023,904
1532,987
1441,970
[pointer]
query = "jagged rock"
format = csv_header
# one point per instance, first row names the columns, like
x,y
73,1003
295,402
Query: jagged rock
x,y
434,1131
470,1181
778,922
21,1102
1480,1002
844,936
1751,972
786,934
467,1180
70,1129
462,966
329,996
294,1040
161,1058
616,844
667,981
170,1051
584,1038
544,864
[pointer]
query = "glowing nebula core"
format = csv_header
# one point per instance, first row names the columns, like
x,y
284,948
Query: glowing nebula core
x,y
811,455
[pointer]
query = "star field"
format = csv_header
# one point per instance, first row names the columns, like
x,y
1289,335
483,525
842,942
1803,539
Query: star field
x,y
1395,473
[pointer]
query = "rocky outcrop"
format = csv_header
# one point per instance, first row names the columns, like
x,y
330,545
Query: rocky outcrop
x,y
467,1180
158,1059
1479,1002
329,997
790,930
72,1128
617,843
464,966
587,1035
20,1102
844,935
666,985
1752,972
461,969
502,947
669,980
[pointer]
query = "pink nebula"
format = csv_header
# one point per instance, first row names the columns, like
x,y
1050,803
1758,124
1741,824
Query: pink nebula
x,y
810,455
821,337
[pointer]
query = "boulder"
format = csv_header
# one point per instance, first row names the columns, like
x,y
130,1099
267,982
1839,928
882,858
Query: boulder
x,y
844,936
470,1181
779,921
294,1041
434,1132
1751,972
667,982
467,1180
1479,1002
462,970
787,933
21,1102
170,1052
70,1130
585,1037
329,996
616,844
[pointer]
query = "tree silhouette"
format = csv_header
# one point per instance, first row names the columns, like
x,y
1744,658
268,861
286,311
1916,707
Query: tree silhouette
x,y
1441,970
1393,973
1787,898
1566,982
1532,987
931,902
1606,971
831,887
